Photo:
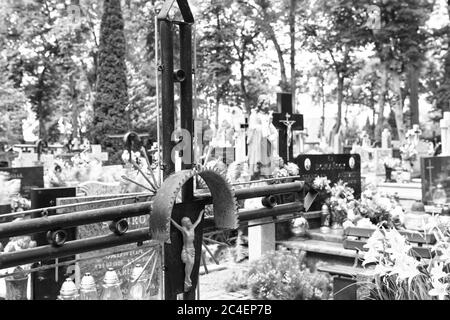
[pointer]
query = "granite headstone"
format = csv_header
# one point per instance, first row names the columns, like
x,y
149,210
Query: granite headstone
x,y
434,171
345,167
30,177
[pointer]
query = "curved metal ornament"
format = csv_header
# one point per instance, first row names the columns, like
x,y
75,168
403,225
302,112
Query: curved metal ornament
x,y
224,201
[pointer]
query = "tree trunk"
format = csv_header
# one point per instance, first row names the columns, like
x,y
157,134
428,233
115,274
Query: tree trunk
x,y
398,107
381,101
284,84
243,87
340,98
413,93
292,35
322,93
217,108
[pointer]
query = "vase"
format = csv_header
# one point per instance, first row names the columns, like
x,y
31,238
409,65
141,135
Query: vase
x,y
325,219
16,289
388,174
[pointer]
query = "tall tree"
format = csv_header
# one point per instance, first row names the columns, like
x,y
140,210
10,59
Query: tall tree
x,y
335,28
111,100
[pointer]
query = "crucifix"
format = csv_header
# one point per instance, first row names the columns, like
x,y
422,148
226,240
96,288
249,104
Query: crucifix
x,y
244,126
286,122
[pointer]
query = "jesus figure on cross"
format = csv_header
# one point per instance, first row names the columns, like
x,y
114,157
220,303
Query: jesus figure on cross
x,y
188,253
288,123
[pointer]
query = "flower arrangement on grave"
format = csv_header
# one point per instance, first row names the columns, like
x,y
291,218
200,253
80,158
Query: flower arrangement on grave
x,y
282,275
322,186
380,209
342,203
19,203
285,170
299,226
401,276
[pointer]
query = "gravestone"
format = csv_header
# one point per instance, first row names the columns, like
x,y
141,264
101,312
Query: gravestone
x,y
30,177
434,171
96,265
226,154
345,167
25,159
422,152
367,158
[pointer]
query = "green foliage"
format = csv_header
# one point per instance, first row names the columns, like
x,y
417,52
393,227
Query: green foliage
x,y
237,281
111,100
280,275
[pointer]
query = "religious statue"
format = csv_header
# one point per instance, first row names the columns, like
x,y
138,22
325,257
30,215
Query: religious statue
x,y
254,140
188,252
262,136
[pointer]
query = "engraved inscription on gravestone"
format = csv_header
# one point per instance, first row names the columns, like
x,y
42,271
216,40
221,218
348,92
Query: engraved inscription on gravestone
x,y
345,167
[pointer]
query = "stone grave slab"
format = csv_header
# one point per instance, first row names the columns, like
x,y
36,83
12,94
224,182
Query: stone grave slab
x,y
434,171
97,264
345,167
30,177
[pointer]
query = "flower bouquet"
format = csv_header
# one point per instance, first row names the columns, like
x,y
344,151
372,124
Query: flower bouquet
x,y
381,209
409,155
342,204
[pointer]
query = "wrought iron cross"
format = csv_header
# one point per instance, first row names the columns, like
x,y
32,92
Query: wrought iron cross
x,y
284,105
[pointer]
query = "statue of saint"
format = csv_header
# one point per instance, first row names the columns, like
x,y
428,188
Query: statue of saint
x,y
254,140
188,252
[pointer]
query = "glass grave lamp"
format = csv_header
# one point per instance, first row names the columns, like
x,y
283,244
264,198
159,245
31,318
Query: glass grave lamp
x,y
439,196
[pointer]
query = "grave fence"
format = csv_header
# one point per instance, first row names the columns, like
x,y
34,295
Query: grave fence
x,y
54,226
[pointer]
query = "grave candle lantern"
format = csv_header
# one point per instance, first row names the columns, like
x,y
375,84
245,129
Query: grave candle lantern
x,y
88,290
439,196
111,286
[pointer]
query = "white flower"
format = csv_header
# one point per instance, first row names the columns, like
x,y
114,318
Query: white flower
x,y
439,289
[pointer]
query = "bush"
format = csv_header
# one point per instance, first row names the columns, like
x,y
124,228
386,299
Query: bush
x,y
237,281
281,275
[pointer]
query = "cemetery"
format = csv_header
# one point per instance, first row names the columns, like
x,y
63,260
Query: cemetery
x,y
151,155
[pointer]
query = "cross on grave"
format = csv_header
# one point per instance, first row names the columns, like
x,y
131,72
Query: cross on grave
x,y
244,126
286,121
97,154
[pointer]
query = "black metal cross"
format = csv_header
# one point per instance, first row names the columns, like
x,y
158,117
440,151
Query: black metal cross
x,y
295,121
